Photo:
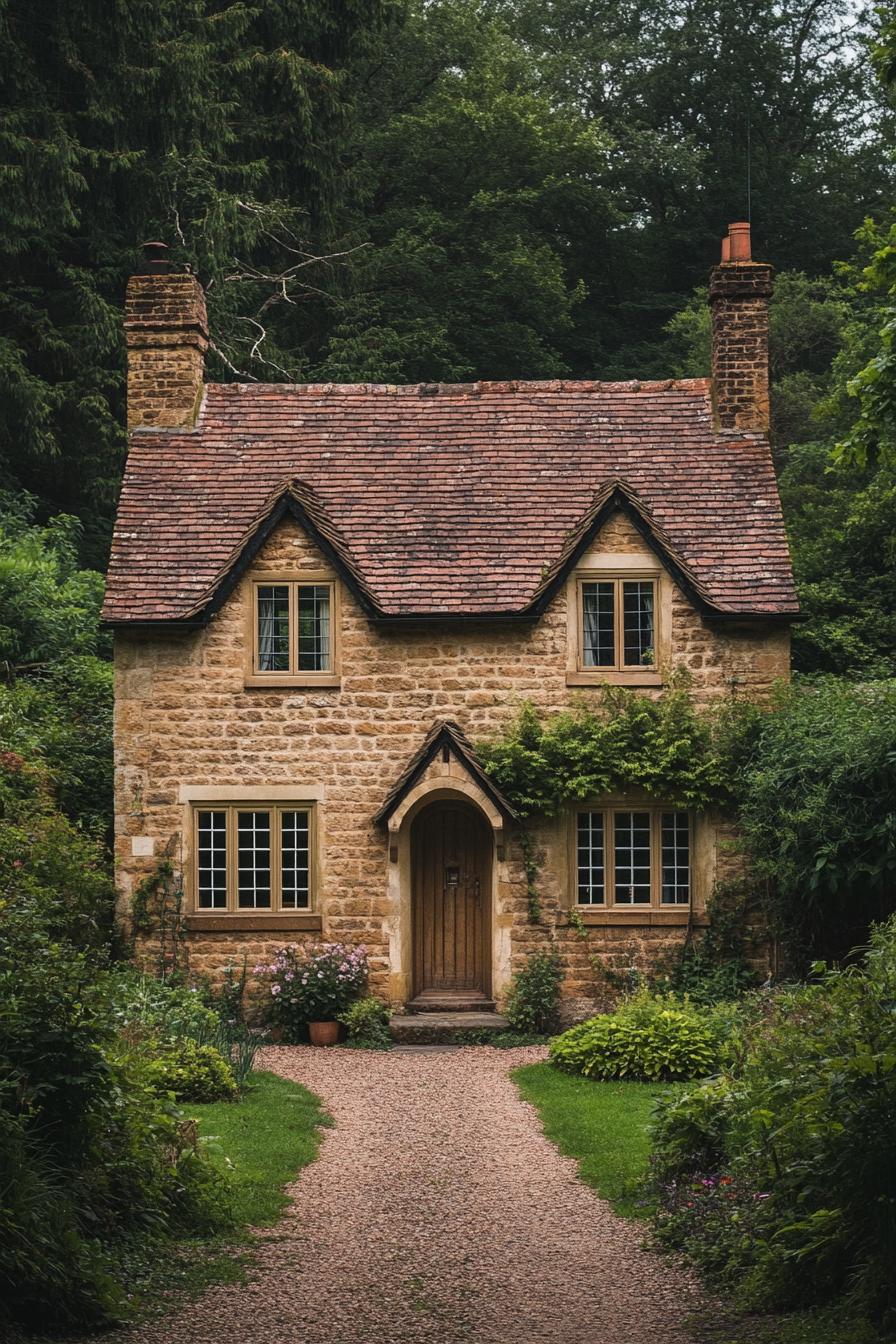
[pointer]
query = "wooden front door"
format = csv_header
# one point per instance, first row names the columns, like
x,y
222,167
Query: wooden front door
x,y
451,859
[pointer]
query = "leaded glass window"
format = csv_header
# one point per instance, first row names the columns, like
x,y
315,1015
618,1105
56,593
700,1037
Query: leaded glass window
x,y
273,627
617,623
632,858
590,858
314,627
598,609
211,860
294,860
253,860
294,635
676,859
637,623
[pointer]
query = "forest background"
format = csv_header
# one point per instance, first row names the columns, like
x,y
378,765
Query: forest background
x,y
392,190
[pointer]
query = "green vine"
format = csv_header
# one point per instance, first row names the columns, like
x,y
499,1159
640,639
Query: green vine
x,y
666,747
157,907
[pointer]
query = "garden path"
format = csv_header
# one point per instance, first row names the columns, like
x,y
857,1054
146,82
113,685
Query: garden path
x,y
437,1213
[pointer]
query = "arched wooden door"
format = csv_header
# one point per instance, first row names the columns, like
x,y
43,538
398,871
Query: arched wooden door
x,y
451,862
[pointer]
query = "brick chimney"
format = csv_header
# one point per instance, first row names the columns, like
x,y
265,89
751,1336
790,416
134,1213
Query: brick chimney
x,y
166,332
739,291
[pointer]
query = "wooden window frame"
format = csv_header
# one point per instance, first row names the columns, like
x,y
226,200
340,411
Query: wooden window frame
x,y
620,673
329,678
609,906
618,669
234,916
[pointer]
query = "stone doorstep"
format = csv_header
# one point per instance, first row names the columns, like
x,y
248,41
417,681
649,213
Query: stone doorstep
x,y
443,1028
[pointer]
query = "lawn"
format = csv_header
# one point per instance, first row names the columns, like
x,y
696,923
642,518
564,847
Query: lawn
x,y
604,1126
262,1142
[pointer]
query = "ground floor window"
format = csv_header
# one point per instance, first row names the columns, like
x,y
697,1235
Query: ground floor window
x,y
630,857
253,857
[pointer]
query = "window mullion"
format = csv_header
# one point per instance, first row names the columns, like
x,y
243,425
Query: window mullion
x,y
293,629
276,870
610,851
656,856
618,645
230,833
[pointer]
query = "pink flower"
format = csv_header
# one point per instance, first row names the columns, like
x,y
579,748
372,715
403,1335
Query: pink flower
x,y
275,989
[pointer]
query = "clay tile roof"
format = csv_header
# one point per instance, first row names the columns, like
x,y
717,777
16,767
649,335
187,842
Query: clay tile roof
x,y
451,500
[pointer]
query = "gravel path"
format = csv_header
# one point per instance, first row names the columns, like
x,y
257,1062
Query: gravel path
x,y
437,1213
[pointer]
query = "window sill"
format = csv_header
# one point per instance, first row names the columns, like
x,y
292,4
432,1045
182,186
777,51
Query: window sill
x,y
634,676
645,917
278,921
308,682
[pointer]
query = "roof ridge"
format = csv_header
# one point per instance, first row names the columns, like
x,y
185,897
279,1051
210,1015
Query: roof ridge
x,y
475,389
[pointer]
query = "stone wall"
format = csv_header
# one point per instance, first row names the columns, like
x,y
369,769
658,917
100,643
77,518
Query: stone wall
x,y
184,720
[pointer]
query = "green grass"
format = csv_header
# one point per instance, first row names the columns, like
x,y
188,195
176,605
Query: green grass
x,y
604,1126
261,1142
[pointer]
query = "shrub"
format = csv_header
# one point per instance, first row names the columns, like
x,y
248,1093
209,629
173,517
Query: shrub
x,y
799,1142
159,1007
534,993
191,1072
91,1159
817,812
367,1024
648,1038
313,982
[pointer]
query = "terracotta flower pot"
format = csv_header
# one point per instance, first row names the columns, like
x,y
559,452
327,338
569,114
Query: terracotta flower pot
x,y
323,1033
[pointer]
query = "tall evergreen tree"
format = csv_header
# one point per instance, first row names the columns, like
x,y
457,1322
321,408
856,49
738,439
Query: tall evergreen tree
x,y
217,127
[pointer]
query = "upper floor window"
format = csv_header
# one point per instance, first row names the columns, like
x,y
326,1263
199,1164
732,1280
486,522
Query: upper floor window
x,y
630,857
617,623
253,858
293,630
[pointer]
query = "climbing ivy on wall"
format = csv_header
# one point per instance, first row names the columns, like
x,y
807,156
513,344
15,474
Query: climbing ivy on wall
x,y
667,747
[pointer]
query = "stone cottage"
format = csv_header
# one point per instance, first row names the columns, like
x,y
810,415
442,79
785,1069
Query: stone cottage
x,y
324,595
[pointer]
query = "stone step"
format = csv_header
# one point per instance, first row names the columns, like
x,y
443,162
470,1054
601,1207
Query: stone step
x,y
445,1028
450,1001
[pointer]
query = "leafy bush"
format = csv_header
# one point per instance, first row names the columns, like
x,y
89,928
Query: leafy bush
x,y
191,1072
666,746
92,1161
818,812
782,1178
313,982
648,1038
367,1024
534,993
168,1010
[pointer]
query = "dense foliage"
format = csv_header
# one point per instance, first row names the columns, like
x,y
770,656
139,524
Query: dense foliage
x,y
817,811
648,1038
92,1158
533,995
664,746
779,1176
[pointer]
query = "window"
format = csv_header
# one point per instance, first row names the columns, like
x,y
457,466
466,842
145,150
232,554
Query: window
x,y
293,633
253,858
633,857
617,623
